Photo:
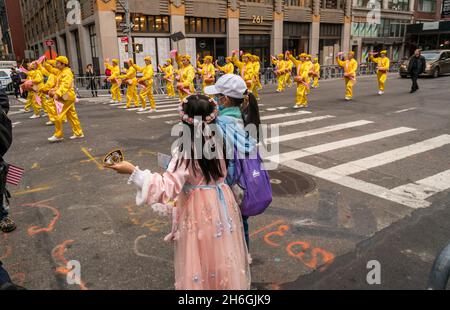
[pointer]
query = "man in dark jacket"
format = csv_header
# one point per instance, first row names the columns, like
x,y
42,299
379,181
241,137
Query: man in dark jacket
x,y
16,80
6,223
416,66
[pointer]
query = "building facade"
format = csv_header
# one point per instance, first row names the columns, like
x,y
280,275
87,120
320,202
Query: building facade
x,y
12,44
380,24
213,27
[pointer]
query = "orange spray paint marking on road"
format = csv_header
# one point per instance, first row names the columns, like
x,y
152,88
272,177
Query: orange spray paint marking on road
x,y
31,191
8,249
18,278
58,254
266,227
280,232
33,230
327,257
92,158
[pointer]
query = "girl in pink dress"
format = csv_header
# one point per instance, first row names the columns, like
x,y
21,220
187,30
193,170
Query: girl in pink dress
x,y
207,229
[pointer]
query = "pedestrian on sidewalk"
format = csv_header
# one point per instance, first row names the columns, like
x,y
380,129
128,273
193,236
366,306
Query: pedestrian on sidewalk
x,y
210,252
16,80
91,80
416,67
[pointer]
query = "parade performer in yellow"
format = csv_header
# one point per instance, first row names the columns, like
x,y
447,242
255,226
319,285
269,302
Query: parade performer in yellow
x,y
207,71
280,71
246,70
64,97
309,66
146,82
34,94
114,80
301,79
350,66
49,84
169,76
256,69
186,76
228,68
315,73
289,66
130,79
383,65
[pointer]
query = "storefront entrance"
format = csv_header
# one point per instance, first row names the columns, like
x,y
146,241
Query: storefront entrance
x,y
257,45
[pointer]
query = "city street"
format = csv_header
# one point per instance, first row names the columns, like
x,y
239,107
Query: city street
x,y
357,181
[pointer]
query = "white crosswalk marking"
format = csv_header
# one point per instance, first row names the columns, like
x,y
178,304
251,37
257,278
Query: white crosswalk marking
x,y
269,117
318,131
387,157
16,123
338,144
303,121
425,188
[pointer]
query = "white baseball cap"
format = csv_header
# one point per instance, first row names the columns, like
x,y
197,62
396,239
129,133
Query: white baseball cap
x,y
230,85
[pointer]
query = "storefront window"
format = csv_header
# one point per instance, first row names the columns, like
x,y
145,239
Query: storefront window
x,y
427,6
368,3
332,4
398,5
145,23
260,1
386,28
300,3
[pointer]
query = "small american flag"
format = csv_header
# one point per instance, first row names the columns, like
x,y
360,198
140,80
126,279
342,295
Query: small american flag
x,y
14,175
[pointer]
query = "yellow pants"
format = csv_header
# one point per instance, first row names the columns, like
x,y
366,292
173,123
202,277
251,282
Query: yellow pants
x,y
71,114
348,88
147,93
301,98
50,108
258,82
281,81
308,90
115,92
381,80
132,95
31,101
183,95
316,82
170,90
288,80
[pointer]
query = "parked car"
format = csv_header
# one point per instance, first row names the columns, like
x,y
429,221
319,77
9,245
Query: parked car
x,y
437,63
5,78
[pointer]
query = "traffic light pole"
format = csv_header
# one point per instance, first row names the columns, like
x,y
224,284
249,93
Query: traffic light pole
x,y
126,7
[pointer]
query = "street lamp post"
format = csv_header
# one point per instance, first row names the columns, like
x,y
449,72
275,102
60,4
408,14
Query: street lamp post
x,y
126,6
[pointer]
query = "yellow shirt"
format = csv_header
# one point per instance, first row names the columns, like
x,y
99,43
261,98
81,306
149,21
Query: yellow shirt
x,y
350,66
227,69
207,71
187,76
256,68
65,85
130,75
383,63
148,73
115,72
168,72
246,69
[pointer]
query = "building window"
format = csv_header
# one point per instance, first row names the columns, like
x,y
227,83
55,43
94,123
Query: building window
x,y
205,25
386,28
145,23
427,6
300,3
260,1
368,3
398,5
332,4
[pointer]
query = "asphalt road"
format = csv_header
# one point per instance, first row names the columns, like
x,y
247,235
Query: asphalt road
x,y
358,181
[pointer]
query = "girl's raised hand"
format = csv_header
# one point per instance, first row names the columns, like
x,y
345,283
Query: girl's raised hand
x,y
122,168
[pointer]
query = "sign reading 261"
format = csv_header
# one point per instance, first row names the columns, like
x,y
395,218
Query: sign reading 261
x,y
257,19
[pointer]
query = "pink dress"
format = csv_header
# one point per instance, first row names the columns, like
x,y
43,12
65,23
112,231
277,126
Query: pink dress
x,y
210,250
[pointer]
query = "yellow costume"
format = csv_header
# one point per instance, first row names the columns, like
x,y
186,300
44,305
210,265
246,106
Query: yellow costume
x,y
65,92
48,101
309,67
316,73
114,80
34,95
256,69
301,80
207,71
185,78
228,68
147,82
280,71
288,80
246,70
130,79
350,66
169,77
383,65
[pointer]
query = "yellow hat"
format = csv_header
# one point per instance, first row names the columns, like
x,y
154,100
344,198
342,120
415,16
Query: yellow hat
x,y
115,61
148,58
247,55
210,58
383,52
351,53
169,60
316,59
280,56
187,57
229,58
303,55
63,60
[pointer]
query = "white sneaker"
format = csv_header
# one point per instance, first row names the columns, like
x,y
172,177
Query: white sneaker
x,y
54,139
348,98
35,116
113,101
49,123
380,92
296,107
152,110
74,137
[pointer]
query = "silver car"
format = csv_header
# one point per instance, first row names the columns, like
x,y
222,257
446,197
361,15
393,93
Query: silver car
x,y
437,63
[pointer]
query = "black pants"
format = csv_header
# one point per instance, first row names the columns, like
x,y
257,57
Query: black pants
x,y
4,194
414,77
16,90
93,87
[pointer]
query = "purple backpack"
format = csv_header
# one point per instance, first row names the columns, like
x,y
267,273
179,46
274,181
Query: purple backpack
x,y
255,182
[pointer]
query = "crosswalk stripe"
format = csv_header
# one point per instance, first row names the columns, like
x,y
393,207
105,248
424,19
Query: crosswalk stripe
x,y
16,123
163,116
425,188
269,117
359,185
388,157
338,144
318,131
303,121
117,104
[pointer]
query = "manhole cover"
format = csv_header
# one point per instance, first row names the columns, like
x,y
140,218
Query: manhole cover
x,y
290,183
